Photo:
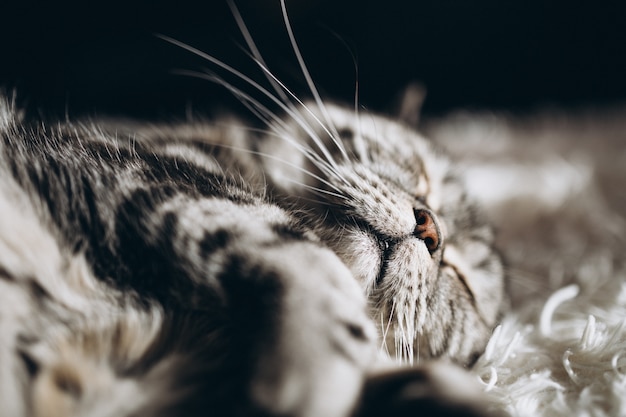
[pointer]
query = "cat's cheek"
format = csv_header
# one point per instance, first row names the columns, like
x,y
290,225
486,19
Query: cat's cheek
x,y
482,276
359,251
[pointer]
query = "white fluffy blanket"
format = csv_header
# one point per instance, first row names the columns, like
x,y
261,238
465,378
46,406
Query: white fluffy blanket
x,y
555,185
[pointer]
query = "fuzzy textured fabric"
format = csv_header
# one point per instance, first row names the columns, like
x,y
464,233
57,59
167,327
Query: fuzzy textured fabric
x,y
554,184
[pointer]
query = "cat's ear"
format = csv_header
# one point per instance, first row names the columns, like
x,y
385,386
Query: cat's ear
x,y
409,103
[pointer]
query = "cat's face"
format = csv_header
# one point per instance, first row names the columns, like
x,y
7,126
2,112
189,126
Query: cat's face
x,y
391,207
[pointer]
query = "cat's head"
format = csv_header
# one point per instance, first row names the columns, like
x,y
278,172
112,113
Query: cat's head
x,y
392,207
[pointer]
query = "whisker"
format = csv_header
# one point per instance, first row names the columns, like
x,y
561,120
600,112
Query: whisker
x,y
281,160
317,189
265,116
327,166
307,75
419,339
253,48
282,101
389,320
308,130
254,106
337,142
383,345
355,63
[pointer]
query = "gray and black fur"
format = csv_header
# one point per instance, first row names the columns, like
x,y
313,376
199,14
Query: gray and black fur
x,y
205,269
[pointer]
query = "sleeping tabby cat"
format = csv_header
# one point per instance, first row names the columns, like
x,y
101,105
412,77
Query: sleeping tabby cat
x,y
209,269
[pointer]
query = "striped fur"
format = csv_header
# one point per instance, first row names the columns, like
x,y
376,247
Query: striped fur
x,y
208,268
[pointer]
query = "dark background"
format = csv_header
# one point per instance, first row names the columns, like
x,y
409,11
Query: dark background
x,y
92,58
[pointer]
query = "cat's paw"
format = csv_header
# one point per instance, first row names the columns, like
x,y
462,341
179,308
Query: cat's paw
x,y
316,364
436,389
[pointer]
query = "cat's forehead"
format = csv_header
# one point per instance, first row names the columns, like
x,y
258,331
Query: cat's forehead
x,y
371,137
389,149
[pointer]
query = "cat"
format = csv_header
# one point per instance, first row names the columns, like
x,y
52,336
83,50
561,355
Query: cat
x,y
313,268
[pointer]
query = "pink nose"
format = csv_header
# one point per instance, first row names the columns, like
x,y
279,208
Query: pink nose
x,y
426,229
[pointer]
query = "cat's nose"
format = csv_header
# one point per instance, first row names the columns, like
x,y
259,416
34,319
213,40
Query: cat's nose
x,y
427,229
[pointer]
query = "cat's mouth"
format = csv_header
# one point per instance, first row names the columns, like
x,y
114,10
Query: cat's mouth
x,y
386,248
380,261
404,263
426,230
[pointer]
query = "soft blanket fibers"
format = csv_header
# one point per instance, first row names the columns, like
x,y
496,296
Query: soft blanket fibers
x,y
555,185
566,360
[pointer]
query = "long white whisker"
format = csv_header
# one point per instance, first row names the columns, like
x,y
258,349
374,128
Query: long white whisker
x,y
306,73
266,115
317,189
316,139
279,87
282,161
383,344
312,156
259,110
355,62
253,48
359,130
256,108
337,142
308,130
386,329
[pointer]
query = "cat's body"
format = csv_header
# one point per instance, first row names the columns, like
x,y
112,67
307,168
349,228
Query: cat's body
x,y
213,268
150,270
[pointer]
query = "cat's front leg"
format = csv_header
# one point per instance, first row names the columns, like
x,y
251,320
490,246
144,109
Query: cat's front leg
x,y
292,322
323,343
